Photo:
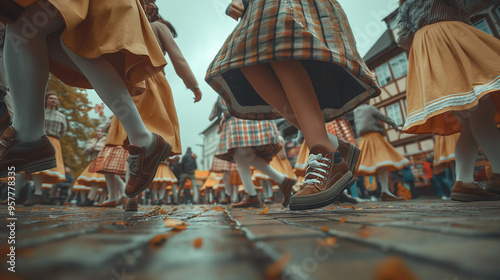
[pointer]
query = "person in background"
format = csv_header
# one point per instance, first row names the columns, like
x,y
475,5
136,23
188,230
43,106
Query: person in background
x,y
62,187
453,85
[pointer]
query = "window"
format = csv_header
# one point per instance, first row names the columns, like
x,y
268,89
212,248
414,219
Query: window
x,y
383,74
394,112
399,65
483,26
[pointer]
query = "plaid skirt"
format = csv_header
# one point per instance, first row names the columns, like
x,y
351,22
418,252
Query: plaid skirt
x,y
112,159
261,136
219,165
315,32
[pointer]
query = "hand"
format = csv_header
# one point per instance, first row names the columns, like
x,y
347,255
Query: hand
x,y
197,94
236,9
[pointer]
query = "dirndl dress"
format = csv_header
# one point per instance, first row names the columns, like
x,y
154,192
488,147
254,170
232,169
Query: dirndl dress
x,y
452,66
118,31
57,174
111,159
88,178
261,136
444,148
164,175
315,32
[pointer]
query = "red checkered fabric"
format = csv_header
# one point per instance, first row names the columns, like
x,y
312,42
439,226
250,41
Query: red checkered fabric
x,y
112,159
341,128
219,165
262,136
315,32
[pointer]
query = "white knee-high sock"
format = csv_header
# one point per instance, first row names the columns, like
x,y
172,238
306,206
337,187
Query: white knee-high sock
x,y
38,180
27,70
334,139
111,186
484,129
248,155
383,176
154,191
162,190
227,182
119,185
93,192
234,197
466,152
113,92
245,174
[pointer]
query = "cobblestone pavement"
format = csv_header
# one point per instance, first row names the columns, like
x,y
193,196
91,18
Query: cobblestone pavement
x,y
429,239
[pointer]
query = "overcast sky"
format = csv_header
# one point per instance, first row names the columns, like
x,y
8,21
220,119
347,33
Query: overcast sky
x,y
203,27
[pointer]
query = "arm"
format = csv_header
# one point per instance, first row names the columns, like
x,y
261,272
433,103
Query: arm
x,y
376,113
406,32
181,66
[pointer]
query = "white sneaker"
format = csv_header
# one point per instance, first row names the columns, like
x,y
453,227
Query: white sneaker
x,y
444,197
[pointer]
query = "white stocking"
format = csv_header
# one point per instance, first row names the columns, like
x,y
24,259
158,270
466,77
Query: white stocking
x,y
38,180
247,154
227,182
162,190
466,152
244,169
383,176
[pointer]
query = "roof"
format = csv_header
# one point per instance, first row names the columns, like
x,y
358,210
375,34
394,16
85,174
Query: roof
x,y
383,43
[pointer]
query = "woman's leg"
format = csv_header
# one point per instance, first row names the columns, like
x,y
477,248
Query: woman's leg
x,y
154,192
38,180
247,154
93,192
466,152
27,70
383,176
227,183
244,169
110,185
119,185
162,190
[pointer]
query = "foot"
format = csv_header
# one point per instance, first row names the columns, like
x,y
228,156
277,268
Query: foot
x,y
132,204
35,199
248,202
30,160
286,188
471,192
389,197
493,185
120,201
87,203
444,197
142,167
107,204
226,200
327,175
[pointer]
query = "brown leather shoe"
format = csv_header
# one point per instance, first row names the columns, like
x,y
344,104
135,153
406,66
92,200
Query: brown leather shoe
x,y
286,188
387,197
39,158
471,192
348,152
226,200
143,167
493,185
247,202
5,202
324,181
131,204
107,204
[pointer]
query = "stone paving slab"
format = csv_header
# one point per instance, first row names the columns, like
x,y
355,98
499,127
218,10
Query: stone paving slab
x,y
435,240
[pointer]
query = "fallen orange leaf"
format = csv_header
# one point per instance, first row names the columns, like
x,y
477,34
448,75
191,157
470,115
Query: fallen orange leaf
x,y
428,203
364,227
343,220
330,208
266,210
157,241
198,242
365,233
394,268
330,241
324,228
121,223
176,224
274,270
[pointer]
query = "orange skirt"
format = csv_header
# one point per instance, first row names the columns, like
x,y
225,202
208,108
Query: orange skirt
x,y
376,153
444,148
56,174
118,31
164,174
88,179
452,66
157,110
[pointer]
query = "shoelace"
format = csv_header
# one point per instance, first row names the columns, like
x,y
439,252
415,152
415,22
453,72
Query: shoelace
x,y
314,167
133,164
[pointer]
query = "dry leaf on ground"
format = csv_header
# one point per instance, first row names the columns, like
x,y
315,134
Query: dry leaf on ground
x,y
157,241
197,243
394,268
176,224
330,241
324,228
274,270
265,211
343,220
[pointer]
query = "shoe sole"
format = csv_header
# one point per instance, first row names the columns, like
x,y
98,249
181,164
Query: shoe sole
x,y
36,166
469,198
322,199
164,155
